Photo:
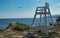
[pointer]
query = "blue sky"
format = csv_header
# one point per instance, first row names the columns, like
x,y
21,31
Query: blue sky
x,y
10,8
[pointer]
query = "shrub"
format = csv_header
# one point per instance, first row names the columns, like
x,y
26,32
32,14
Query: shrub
x,y
21,27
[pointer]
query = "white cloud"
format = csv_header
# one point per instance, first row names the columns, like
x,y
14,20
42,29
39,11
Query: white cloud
x,y
55,11
58,4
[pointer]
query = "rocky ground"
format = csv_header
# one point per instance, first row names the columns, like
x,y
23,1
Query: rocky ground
x,y
35,34
21,34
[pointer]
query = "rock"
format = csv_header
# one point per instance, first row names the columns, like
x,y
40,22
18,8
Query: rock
x,y
13,23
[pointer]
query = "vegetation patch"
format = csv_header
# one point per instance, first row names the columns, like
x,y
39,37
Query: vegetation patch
x,y
19,26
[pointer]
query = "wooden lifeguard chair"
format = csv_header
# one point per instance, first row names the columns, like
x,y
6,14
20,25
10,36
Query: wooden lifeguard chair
x,y
44,11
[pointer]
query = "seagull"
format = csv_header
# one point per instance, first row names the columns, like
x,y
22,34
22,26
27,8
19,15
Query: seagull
x,y
19,7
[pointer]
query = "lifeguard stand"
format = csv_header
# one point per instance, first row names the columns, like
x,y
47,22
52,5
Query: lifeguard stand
x,y
43,12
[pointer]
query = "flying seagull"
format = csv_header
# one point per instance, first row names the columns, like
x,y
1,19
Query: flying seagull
x,y
19,7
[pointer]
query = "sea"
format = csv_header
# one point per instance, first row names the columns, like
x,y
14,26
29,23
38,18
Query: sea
x,y
5,22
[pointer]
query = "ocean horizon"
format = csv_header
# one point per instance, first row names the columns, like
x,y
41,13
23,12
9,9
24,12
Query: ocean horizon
x,y
5,22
